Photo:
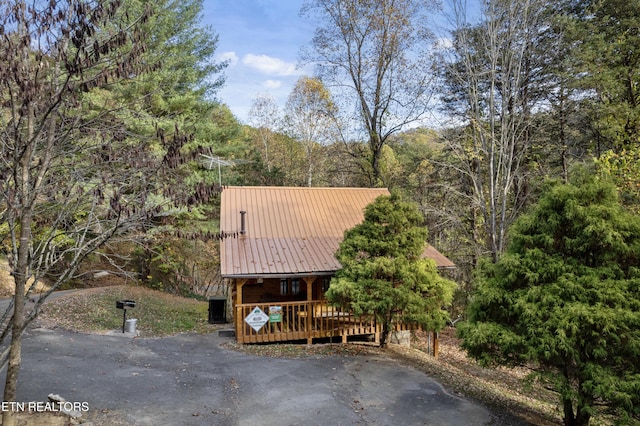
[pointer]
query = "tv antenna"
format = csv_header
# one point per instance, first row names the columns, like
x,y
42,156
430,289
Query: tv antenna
x,y
211,161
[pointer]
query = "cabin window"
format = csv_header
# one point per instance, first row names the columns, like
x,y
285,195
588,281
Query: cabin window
x,y
295,286
290,287
326,281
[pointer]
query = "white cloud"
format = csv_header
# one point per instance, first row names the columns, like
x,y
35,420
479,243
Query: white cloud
x,y
229,56
272,84
269,65
444,43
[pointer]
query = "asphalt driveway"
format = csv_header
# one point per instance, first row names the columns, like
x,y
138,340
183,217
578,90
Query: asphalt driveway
x,y
193,380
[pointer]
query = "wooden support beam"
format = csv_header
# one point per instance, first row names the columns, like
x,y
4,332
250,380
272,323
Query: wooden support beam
x,y
239,284
309,321
309,282
237,317
436,344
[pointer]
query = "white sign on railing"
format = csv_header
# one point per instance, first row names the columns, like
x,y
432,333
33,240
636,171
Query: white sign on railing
x,y
256,319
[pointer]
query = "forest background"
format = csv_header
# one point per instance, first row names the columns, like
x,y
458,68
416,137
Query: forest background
x,y
115,148
532,87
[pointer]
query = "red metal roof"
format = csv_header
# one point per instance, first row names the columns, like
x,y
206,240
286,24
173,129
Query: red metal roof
x,y
291,230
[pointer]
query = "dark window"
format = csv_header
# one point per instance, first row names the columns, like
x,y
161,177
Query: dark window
x,y
289,286
326,281
295,286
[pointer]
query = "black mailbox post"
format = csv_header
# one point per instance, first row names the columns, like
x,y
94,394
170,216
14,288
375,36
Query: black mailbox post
x,y
124,305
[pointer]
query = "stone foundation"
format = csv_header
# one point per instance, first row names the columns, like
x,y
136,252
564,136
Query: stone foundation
x,y
402,338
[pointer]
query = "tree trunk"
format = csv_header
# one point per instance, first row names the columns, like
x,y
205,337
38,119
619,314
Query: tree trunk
x,y
15,352
384,335
375,165
583,418
582,406
24,184
13,367
17,327
569,417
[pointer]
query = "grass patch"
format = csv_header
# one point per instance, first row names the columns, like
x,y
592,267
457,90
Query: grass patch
x,y
94,311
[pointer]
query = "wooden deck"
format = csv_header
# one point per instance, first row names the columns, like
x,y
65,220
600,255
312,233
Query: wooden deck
x,y
306,320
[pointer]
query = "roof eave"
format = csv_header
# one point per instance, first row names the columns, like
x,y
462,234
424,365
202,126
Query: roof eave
x,y
280,275
298,274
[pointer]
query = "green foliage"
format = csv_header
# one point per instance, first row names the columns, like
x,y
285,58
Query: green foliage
x,y
178,97
605,63
123,152
624,168
178,266
308,120
276,159
383,273
565,299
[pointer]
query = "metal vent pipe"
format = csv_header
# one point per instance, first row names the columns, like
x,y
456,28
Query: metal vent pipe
x,y
242,222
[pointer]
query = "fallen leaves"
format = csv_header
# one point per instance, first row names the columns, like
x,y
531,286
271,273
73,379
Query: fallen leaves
x,y
294,351
94,311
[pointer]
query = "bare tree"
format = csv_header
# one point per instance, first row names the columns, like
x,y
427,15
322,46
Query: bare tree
x,y
71,180
264,115
369,51
309,119
489,78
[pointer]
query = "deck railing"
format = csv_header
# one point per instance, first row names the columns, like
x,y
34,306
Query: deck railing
x,y
299,321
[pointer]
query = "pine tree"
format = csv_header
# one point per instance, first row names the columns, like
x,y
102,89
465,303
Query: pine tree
x,y
383,273
565,300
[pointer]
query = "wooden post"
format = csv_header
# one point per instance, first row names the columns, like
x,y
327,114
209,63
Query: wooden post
x,y
309,322
435,344
238,316
309,281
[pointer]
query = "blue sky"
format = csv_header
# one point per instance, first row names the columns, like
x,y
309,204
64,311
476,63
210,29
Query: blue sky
x,y
262,40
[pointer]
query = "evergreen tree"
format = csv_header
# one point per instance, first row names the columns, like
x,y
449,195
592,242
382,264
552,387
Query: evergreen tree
x,y
565,300
624,169
95,141
605,61
383,273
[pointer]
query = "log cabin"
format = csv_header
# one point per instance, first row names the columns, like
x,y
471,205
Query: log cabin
x,y
280,260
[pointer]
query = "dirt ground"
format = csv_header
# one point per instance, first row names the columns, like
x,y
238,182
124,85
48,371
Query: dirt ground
x,y
42,419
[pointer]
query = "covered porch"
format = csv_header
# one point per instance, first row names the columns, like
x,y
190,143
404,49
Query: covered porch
x,y
296,309
308,320
310,317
